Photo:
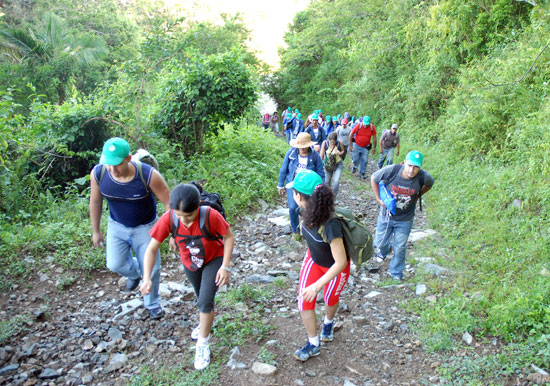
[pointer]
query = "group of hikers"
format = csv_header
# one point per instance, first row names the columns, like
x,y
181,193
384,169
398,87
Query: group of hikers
x,y
310,177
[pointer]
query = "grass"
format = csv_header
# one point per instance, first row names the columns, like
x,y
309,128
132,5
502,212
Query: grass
x,y
12,327
177,376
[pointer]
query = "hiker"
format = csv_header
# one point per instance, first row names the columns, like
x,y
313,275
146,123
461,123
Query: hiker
x,y
388,141
343,131
332,151
361,139
274,123
300,156
326,266
127,187
288,125
406,182
316,132
328,126
298,126
265,120
205,259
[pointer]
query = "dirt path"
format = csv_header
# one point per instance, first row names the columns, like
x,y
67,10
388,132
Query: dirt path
x,y
72,336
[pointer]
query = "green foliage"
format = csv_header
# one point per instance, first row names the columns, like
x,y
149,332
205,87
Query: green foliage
x,y
177,376
11,327
199,95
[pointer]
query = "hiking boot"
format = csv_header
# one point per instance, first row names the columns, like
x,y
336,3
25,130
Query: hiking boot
x,y
202,356
364,176
195,332
307,352
353,170
156,313
132,284
327,333
380,257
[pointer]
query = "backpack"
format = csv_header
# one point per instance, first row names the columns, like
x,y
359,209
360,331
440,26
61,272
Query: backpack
x,y
394,173
139,167
357,238
204,221
210,199
330,160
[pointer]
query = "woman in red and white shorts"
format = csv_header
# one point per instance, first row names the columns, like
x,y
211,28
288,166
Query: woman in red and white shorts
x,y
326,265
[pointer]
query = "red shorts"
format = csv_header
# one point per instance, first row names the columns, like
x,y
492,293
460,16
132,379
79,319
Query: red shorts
x,y
310,273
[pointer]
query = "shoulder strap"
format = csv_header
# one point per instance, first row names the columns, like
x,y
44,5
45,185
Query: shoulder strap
x,y
394,173
139,168
174,223
204,221
101,174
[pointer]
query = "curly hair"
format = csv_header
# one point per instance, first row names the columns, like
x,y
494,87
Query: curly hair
x,y
320,206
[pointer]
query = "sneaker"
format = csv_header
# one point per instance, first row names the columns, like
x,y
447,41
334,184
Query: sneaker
x,y
307,352
156,313
380,257
364,176
132,284
327,334
396,278
195,332
202,356
353,170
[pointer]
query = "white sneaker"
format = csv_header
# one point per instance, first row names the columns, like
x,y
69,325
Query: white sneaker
x,y
202,356
195,332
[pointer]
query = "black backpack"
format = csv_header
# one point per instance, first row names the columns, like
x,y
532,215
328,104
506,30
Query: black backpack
x,y
210,199
204,224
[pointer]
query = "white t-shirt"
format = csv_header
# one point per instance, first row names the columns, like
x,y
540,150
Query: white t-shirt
x,y
302,163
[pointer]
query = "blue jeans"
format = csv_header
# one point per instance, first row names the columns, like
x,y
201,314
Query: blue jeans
x,y
386,153
121,241
360,157
292,206
332,179
386,227
288,135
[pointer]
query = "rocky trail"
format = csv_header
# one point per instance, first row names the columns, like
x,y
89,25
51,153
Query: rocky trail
x,y
93,333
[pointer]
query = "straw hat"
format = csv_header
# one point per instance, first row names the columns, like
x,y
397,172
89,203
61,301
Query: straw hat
x,y
303,140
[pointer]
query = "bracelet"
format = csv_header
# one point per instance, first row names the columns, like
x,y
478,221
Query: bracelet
x,y
226,268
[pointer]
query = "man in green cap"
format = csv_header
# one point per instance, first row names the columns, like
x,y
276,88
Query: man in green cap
x,y
127,185
405,183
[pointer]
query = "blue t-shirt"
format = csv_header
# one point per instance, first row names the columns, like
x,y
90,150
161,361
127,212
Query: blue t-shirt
x,y
130,203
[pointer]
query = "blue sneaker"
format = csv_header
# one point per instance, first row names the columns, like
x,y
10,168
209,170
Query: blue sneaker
x,y
156,313
307,352
327,334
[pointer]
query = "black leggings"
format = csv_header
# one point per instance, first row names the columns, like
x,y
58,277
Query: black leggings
x,y
204,283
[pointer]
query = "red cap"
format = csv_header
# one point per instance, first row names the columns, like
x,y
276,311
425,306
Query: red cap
x,y
344,121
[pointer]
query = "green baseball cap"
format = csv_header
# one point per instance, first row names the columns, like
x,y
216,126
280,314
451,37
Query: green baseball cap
x,y
305,182
299,116
335,119
328,117
289,110
414,157
114,151
296,111
366,120
315,117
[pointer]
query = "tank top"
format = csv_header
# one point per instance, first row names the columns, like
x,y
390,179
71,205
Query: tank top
x,y
130,203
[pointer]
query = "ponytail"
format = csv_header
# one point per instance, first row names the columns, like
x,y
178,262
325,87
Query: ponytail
x,y
320,206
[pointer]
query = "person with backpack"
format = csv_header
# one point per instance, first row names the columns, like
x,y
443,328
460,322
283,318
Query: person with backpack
x,y
332,152
343,131
205,243
128,186
406,183
361,139
326,265
388,141
266,120
300,156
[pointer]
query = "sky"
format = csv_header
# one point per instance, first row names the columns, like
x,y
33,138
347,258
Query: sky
x,y
267,21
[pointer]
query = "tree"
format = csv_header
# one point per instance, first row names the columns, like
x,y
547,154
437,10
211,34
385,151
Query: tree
x,y
54,47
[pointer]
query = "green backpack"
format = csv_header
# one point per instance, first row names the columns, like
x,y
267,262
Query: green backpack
x,y
357,238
